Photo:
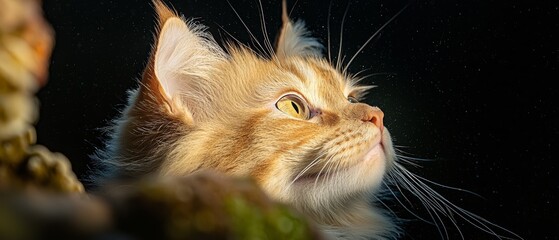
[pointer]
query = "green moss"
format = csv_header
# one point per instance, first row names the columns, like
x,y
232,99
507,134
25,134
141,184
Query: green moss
x,y
277,222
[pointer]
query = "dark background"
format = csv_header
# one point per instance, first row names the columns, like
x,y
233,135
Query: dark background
x,y
467,85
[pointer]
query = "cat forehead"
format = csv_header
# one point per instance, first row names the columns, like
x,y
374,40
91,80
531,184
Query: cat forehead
x,y
312,78
312,71
266,80
320,82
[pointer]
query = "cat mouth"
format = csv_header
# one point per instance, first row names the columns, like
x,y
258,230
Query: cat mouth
x,y
374,153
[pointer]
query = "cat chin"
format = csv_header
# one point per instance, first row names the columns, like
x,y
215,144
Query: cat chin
x,y
365,175
341,204
388,147
368,160
358,181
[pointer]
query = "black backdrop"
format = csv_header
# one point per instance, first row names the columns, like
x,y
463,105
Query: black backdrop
x,y
467,85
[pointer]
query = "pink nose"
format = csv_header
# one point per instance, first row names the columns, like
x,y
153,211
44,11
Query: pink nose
x,y
374,115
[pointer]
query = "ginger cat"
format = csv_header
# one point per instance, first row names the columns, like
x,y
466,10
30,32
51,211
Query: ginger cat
x,y
291,121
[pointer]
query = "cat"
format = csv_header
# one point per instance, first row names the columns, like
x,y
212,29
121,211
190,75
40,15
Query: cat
x,y
291,120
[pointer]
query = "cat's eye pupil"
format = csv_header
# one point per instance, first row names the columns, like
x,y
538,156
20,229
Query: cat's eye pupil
x,y
295,107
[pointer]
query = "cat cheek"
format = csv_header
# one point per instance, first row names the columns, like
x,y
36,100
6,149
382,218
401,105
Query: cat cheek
x,y
329,119
262,171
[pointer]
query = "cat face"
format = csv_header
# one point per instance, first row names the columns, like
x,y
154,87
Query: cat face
x,y
292,121
294,126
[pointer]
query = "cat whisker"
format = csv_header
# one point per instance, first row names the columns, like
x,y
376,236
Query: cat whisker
x,y
329,174
373,36
303,172
429,205
445,186
399,190
309,166
379,200
320,172
253,38
264,30
411,161
400,146
357,78
403,205
356,75
293,7
408,161
406,155
339,60
328,30
383,73
450,209
239,42
447,211
425,199
425,204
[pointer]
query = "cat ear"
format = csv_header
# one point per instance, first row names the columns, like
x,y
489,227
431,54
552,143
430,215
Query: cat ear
x,y
294,39
184,56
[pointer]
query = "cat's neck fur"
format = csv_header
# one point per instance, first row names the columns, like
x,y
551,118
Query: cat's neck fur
x,y
356,220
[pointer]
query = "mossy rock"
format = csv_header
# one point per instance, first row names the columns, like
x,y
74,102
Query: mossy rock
x,y
204,206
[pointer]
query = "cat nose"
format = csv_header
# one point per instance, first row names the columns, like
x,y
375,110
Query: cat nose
x,y
374,115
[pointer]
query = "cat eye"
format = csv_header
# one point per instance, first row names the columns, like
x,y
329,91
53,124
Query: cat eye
x,y
293,106
352,99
